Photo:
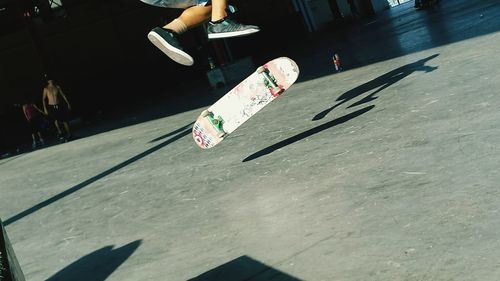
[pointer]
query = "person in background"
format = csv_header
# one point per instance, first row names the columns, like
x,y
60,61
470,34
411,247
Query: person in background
x,y
34,117
57,107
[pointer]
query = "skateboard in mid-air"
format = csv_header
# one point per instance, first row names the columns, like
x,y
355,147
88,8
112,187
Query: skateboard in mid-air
x,y
264,85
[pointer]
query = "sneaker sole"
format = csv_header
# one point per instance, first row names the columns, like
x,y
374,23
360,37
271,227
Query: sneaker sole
x,y
232,34
175,54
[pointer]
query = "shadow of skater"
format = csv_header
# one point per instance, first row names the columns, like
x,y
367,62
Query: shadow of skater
x,y
244,269
381,82
98,265
177,134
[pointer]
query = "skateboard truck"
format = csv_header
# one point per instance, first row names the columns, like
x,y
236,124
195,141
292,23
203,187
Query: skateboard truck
x,y
216,122
270,81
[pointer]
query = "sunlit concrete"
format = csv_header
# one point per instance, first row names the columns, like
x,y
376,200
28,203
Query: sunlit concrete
x,y
385,171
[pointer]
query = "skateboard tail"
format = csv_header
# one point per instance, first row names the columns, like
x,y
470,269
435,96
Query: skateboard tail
x,y
204,135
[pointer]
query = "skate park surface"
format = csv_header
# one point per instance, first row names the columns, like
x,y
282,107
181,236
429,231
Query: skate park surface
x,y
387,170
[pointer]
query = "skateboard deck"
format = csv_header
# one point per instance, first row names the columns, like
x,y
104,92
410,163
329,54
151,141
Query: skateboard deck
x,y
264,85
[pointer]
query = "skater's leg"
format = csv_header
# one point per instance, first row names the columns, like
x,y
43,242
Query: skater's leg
x,y
221,26
190,18
219,9
166,38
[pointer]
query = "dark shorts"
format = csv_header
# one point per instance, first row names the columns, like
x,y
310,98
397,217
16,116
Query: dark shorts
x,y
58,113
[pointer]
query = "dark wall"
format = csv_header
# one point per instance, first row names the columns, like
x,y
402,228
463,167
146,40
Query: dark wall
x,y
95,50
99,53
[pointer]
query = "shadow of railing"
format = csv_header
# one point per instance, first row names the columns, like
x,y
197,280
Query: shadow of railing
x,y
172,133
308,133
181,134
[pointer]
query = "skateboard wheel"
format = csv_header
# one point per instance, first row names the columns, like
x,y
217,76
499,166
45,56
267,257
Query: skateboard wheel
x,y
205,113
221,134
261,69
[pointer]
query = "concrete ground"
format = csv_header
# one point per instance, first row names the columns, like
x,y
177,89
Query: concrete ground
x,y
386,171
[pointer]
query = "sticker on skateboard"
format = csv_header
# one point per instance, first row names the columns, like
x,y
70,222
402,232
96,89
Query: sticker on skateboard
x,y
247,98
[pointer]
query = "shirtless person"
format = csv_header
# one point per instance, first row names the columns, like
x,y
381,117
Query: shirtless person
x,y
55,108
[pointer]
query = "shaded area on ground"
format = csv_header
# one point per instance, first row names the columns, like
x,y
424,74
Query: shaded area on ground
x,y
244,268
98,265
380,83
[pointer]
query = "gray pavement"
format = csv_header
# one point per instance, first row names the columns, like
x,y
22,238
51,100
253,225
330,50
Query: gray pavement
x,y
386,171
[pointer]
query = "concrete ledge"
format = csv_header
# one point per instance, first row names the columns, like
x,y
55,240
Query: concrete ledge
x,y
9,267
